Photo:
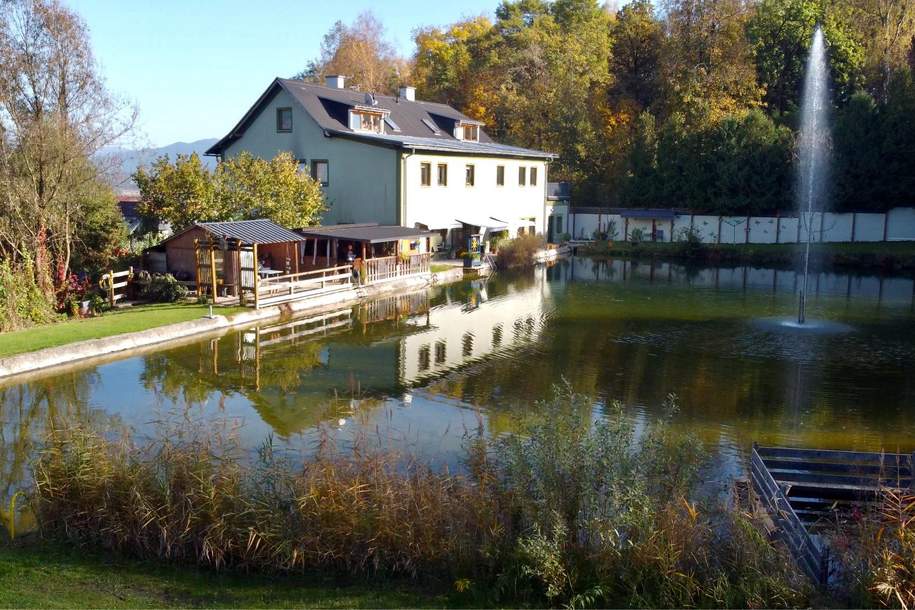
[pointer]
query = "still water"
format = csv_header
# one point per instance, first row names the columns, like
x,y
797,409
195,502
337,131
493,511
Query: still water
x,y
420,371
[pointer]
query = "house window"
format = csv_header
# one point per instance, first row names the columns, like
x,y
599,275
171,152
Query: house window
x,y
440,352
443,174
500,175
467,345
468,175
522,176
284,120
533,176
361,120
320,171
425,174
557,224
471,133
424,358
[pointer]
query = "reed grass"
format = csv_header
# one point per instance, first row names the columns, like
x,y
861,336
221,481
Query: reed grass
x,y
569,513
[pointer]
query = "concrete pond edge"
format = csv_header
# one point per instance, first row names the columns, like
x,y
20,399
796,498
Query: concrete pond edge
x,y
98,351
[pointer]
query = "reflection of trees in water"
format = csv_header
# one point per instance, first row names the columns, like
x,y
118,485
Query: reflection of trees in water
x,y
30,410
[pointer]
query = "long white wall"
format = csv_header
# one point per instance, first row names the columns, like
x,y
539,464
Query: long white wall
x,y
896,225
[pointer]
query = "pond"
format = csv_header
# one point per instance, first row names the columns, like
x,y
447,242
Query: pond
x,y
421,371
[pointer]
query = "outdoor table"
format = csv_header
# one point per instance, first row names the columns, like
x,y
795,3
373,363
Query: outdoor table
x,y
264,272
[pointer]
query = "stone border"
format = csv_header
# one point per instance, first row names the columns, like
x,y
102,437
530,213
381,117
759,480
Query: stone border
x,y
124,345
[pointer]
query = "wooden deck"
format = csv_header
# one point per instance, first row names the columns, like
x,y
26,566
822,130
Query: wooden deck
x,y
806,490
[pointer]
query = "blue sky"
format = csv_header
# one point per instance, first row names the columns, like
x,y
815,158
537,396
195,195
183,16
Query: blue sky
x,y
194,67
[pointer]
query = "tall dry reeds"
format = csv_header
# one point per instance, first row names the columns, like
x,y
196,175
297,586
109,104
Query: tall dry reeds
x,y
568,512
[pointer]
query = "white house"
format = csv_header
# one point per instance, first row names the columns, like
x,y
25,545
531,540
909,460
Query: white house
x,y
396,160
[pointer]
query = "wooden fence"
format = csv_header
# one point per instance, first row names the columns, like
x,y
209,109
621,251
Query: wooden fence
x,y
296,286
113,289
377,270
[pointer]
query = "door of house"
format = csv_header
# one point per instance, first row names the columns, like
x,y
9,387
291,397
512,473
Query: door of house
x,y
550,228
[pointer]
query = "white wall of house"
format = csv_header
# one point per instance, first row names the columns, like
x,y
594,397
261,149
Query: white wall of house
x,y
362,183
439,207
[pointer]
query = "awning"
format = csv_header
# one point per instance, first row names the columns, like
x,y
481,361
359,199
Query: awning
x,y
485,224
438,225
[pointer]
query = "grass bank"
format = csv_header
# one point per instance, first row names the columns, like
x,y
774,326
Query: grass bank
x,y
45,575
895,257
125,320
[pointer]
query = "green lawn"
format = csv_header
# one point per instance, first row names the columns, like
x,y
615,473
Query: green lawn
x,y
439,267
126,320
46,576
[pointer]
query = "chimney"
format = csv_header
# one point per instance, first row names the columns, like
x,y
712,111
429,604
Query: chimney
x,y
335,81
408,93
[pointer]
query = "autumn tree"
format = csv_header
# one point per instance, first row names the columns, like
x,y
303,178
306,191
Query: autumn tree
x,y
244,187
707,62
55,114
886,30
361,52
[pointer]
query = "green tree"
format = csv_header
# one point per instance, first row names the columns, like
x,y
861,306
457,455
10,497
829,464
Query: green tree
x,y
250,187
642,181
178,193
637,38
242,188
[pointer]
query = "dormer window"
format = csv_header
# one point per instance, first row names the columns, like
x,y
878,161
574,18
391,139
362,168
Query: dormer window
x,y
467,131
366,120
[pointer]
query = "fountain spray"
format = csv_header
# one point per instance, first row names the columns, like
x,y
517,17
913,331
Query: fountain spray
x,y
814,140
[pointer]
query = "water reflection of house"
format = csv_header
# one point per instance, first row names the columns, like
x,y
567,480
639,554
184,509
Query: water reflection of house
x,y
456,334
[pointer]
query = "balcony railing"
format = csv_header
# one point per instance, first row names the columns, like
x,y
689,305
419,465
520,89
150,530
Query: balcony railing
x,y
393,267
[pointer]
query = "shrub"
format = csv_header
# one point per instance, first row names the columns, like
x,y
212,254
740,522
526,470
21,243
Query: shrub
x,y
163,288
689,243
23,302
879,552
519,251
636,236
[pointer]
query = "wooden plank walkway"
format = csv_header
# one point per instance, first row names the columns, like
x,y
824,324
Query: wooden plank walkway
x,y
805,489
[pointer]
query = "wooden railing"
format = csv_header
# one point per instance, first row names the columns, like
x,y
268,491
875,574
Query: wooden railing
x,y
295,286
110,287
393,267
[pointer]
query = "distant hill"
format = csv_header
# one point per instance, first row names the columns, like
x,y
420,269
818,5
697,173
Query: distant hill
x,y
125,161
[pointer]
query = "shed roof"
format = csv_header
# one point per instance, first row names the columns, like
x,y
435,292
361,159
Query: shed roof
x,y
259,231
369,232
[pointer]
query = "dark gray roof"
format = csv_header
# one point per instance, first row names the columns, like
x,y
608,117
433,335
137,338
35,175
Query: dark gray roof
x,y
329,108
369,232
261,231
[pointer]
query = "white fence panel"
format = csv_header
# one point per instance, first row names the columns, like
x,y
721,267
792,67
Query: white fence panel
x,y
869,227
900,224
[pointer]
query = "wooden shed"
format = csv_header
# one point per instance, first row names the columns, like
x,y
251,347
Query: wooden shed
x,y
219,245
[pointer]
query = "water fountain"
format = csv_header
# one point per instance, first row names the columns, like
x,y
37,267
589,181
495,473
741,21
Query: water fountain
x,y
812,153
812,177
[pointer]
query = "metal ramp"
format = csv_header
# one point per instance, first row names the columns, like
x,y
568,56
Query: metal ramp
x,y
804,490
